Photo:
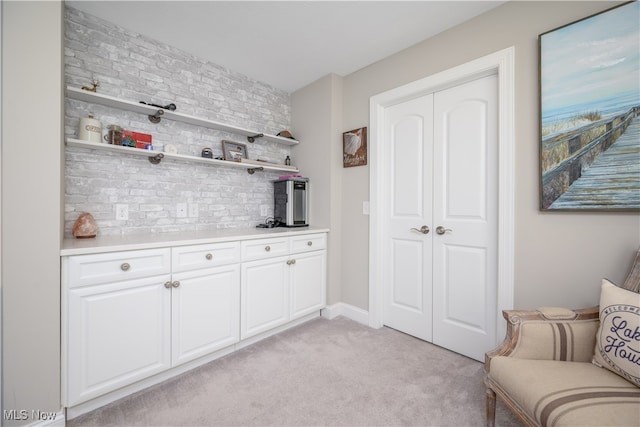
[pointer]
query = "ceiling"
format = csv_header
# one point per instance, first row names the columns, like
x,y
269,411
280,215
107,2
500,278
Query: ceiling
x,y
288,44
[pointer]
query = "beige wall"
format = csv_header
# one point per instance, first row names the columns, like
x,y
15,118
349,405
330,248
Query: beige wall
x,y
316,114
31,205
559,257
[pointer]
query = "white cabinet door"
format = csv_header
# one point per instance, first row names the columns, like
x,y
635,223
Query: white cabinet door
x,y
206,312
117,334
308,283
264,295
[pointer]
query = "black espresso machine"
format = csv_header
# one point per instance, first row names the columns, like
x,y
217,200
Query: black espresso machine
x,y
291,202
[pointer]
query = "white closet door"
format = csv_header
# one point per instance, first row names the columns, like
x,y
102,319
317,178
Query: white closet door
x,y
441,217
465,200
408,206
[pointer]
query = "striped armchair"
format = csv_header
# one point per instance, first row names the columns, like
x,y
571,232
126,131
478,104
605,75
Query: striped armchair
x,y
544,374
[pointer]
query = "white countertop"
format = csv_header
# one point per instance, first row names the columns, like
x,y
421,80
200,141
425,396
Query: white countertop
x,y
101,244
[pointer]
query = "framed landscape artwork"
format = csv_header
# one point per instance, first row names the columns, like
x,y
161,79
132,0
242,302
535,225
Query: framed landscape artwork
x,y
590,113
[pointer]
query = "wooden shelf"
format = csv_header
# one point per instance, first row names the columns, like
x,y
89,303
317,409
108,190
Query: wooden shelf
x,y
136,107
193,159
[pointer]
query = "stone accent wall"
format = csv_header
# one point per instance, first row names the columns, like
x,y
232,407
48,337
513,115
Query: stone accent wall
x,y
135,68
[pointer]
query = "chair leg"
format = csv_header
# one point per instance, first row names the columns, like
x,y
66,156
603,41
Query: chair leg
x,y
491,407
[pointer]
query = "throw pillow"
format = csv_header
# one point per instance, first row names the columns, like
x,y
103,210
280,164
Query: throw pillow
x,y
618,339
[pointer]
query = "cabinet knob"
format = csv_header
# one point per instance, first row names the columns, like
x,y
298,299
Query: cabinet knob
x,y
167,285
176,284
309,243
209,257
291,262
125,266
267,248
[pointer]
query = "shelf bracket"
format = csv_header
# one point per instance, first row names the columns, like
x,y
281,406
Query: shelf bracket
x,y
254,137
253,170
156,159
155,118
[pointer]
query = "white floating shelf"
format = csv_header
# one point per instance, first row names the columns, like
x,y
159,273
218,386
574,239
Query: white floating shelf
x,y
110,101
146,153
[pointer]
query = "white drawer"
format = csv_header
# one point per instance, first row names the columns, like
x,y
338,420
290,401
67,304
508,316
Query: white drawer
x,y
308,242
83,270
203,256
264,248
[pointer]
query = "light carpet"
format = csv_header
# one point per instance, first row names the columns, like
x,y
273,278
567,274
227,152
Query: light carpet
x,y
322,373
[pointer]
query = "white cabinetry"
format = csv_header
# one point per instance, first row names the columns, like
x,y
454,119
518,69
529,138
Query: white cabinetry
x,y
206,299
205,308
265,295
308,267
131,315
119,328
264,285
275,288
136,313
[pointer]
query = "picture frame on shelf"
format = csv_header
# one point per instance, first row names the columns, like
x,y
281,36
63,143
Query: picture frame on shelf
x,y
234,151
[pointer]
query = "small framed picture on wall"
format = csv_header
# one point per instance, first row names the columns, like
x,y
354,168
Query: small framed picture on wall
x,y
354,147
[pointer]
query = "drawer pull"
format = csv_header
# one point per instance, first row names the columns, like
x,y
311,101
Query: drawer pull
x,y
167,285
209,257
125,266
309,243
267,248
176,284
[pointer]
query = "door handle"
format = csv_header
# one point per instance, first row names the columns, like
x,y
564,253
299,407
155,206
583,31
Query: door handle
x,y
424,229
441,230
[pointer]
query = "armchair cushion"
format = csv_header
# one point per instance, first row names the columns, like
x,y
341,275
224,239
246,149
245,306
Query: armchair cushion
x,y
569,340
559,393
618,338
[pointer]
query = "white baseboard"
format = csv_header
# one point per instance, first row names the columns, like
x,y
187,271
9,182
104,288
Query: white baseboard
x,y
50,419
349,311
